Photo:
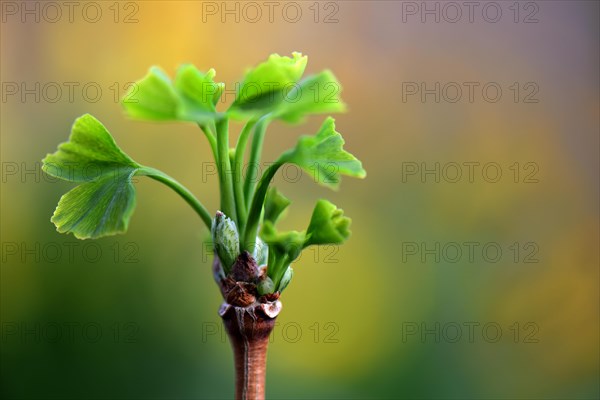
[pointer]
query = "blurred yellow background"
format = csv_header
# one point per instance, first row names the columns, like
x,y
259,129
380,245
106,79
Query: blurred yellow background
x,y
475,285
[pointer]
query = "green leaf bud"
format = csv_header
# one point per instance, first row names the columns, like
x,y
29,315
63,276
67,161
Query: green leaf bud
x,y
287,277
226,240
266,286
261,252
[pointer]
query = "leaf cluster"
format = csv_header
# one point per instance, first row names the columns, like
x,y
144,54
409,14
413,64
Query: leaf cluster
x,y
103,201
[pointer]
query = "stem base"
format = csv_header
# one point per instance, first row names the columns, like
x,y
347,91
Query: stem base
x,y
248,329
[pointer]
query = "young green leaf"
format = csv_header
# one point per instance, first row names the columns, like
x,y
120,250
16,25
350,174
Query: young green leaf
x,y
91,151
199,87
276,72
104,203
315,94
192,97
328,225
275,204
284,248
275,88
323,156
105,199
288,243
99,208
263,86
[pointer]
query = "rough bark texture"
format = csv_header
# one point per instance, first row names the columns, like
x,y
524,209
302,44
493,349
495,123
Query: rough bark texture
x,y
249,329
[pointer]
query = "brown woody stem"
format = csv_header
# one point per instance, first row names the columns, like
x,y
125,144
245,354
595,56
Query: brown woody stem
x,y
248,329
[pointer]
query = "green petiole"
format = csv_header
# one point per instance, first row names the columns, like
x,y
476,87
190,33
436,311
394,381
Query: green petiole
x,y
210,136
225,171
240,199
249,235
253,163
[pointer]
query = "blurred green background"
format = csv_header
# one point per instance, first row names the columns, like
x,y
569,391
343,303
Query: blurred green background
x,y
394,313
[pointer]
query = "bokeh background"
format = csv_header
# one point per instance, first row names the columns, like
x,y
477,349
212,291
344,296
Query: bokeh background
x,y
135,316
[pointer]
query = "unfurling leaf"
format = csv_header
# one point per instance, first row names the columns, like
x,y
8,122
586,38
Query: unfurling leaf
x,y
324,157
102,205
328,225
262,87
277,71
275,204
275,88
191,97
284,248
315,94
288,243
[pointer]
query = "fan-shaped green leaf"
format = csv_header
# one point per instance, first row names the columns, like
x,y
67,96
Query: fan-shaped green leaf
x,y
262,87
104,201
192,97
324,157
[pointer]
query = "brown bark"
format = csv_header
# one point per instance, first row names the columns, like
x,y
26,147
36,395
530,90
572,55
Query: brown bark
x,y
249,320
248,329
